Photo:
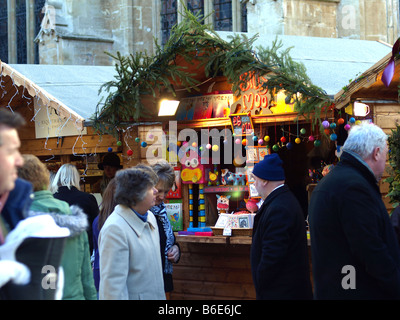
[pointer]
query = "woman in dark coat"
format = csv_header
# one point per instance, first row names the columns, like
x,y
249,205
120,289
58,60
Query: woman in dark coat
x,y
65,186
279,257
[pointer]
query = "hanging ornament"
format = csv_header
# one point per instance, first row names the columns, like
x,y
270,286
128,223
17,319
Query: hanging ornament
x,y
143,144
208,146
275,147
311,138
332,125
255,138
237,141
340,121
194,144
215,148
303,131
109,149
151,136
326,131
137,139
244,142
289,145
358,122
347,127
352,120
297,140
119,143
283,139
179,143
266,138
325,124
129,152
317,143
260,141
333,137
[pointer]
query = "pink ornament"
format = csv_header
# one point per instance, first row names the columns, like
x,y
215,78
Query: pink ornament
x,y
208,146
325,124
347,127
311,138
238,141
260,141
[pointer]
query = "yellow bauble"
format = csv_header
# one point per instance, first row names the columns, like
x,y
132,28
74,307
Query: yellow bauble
x,y
297,140
215,148
266,138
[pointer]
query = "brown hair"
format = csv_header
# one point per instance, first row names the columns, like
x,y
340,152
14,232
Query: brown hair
x,y
10,119
35,172
108,204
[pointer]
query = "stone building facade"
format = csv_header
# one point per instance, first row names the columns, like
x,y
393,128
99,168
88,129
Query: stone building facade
x,y
81,31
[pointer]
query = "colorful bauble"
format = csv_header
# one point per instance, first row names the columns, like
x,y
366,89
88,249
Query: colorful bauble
x,y
358,122
303,131
237,141
333,137
352,120
215,148
297,140
289,145
275,147
119,143
311,138
325,124
129,152
244,142
332,125
137,139
109,149
255,138
194,144
317,143
340,121
143,144
347,127
208,146
260,141
283,139
266,138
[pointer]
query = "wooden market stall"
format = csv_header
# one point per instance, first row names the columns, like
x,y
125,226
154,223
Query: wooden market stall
x,y
379,102
54,110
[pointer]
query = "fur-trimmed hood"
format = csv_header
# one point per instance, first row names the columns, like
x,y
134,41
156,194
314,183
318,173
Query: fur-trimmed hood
x,y
76,221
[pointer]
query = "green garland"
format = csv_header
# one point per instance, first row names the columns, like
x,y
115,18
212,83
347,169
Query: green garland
x,y
141,75
394,171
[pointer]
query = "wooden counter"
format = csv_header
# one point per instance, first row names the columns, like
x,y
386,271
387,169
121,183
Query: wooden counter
x,y
214,267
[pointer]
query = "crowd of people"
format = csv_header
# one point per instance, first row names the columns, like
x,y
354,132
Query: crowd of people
x,y
125,248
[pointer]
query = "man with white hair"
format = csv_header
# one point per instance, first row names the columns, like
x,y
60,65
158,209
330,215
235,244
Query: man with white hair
x,y
355,254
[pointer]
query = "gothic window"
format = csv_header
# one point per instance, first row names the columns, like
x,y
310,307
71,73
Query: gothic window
x,y
223,17
3,34
169,17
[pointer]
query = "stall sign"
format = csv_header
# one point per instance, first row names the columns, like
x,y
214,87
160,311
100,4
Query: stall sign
x,y
174,213
241,124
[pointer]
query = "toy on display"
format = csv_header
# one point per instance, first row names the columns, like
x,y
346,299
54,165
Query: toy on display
x,y
222,203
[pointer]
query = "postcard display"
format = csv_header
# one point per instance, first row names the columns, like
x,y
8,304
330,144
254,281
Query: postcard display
x,y
173,203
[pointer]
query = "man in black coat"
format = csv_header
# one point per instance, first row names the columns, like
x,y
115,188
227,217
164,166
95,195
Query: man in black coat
x,y
279,257
355,254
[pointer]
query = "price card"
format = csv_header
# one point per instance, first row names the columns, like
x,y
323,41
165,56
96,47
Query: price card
x,y
241,124
227,231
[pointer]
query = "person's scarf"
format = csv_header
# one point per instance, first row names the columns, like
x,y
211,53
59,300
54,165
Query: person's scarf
x,y
161,214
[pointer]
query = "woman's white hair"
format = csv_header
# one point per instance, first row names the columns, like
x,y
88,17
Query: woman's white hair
x,y
67,176
364,138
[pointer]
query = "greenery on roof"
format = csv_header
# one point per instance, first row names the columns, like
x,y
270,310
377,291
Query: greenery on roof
x,y
141,75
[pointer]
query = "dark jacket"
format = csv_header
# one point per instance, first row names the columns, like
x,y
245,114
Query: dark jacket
x,y
86,201
350,226
279,257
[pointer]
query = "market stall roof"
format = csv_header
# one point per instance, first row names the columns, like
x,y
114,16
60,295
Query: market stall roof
x,y
330,62
369,86
70,89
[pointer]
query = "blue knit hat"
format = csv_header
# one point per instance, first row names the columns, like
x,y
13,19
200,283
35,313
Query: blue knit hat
x,y
270,168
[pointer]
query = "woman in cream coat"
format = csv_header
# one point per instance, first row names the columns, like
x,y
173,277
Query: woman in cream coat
x,y
129,245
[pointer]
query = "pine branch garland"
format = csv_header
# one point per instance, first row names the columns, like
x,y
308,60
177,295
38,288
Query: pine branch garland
x,y
141,75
